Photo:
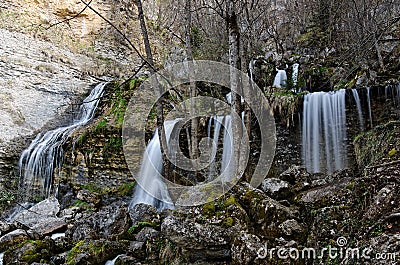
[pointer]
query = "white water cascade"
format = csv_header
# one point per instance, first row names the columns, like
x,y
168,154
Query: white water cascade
x,y
324,132
44,157
150,174
359,110
280,79
227,141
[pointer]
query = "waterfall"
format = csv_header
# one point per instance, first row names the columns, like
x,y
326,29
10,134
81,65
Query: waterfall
x,y
359,110
369,106
44,157
1,258
324,131
280,79
295,74
151,172
227,141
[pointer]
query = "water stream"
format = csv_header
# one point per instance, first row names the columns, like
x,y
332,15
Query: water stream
x,y
43,158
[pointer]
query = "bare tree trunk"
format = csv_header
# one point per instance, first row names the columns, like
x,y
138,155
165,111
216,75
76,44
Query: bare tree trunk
x,y
194,153
234,61
159,105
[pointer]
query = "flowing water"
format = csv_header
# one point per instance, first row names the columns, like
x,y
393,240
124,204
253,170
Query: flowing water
x,y
295,73
324,131
280,79
359,110
149,179
43,158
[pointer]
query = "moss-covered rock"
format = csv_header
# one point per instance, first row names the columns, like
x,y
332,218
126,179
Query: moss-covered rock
x,y
378,146
94,252
30,251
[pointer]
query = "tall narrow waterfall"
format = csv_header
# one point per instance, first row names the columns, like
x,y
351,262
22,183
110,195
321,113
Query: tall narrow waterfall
x,y
226,143
150,174
44,157
359,110
324,131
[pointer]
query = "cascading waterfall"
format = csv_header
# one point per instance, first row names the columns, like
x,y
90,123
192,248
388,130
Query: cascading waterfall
x,y
359,110
227,145
151,172
324,131
41,160
280,79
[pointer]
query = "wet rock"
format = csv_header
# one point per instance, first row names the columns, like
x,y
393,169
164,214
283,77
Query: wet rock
x,y
295,174
137,249
246,248
293,230
94,251
276,188
383,202
197,241
110,222
89,197
331,194
268,214
147,233
6,227
388,246
13,238
30,252
144,213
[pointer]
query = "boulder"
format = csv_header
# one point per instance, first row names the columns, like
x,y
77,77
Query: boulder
x,y
197,241
144,213
276,188
41,218
94,251
246,249
110,222
13,238
30,252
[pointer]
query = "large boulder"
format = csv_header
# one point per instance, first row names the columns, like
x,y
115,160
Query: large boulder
x,y
42,217
94,251
197,241
111,222
29,252
13,238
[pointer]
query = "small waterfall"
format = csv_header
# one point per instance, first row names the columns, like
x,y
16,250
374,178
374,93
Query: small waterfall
x,y
44,157
217,121
151,172
295,74
369,106
280,79
1,258
324,131
359,110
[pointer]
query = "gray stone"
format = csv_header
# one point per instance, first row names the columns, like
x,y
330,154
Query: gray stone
x,y
276,188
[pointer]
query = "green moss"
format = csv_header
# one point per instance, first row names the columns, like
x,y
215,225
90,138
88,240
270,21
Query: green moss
x,y
230,201
209,208
101,125
228,222
92,188
125,189
136,228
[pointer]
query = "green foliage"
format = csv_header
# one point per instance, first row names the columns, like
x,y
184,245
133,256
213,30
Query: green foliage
x,y
92,188
113,144
125,189
6,198
101,125
136,228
